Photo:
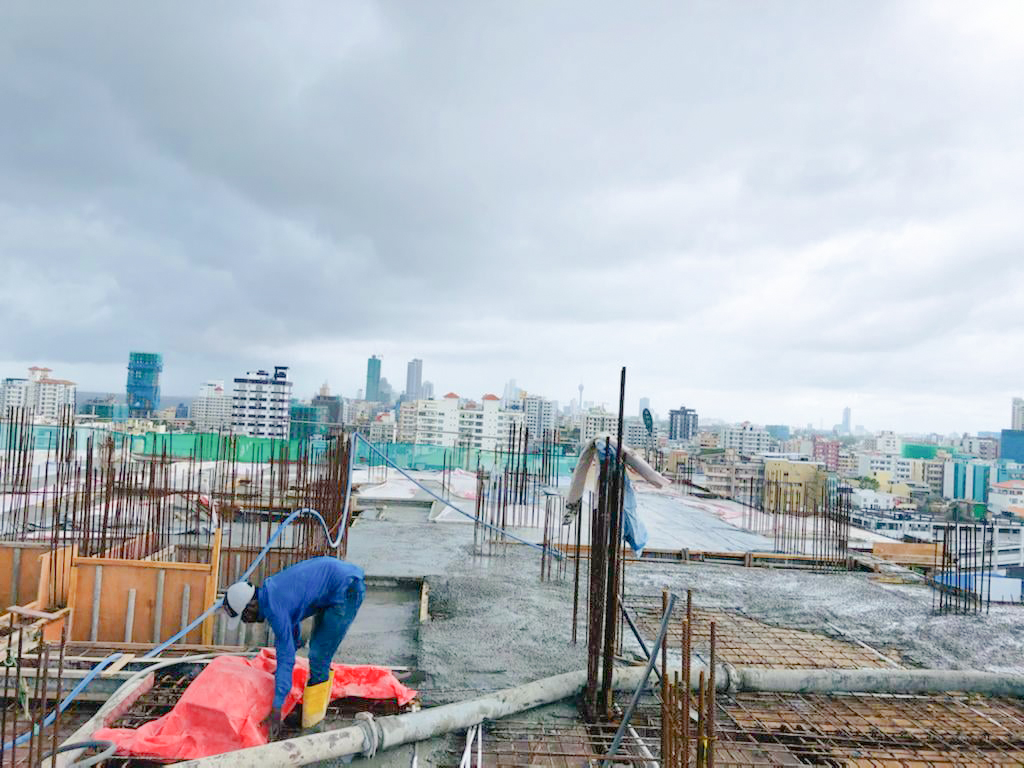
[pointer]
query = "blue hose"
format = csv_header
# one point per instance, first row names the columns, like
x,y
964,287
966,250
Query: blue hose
x,y
104,663
48,720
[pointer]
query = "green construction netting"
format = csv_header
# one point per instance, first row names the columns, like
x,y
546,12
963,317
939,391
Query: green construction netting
x,y
434,457
212,446
919,451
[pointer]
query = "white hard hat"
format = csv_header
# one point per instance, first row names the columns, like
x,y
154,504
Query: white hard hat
x,y
235,599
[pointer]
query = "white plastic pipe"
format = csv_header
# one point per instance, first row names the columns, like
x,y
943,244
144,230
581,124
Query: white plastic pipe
x,y
883,680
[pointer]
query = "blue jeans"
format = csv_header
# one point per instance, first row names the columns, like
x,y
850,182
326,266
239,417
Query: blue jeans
x,y
329,629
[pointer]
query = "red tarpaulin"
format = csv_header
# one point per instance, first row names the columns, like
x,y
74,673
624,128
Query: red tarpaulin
x,y
223,707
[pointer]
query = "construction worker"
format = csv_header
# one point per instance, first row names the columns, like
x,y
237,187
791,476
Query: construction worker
x,y
328,589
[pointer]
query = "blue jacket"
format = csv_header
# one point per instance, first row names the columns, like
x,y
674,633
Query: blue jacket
x,y
296,593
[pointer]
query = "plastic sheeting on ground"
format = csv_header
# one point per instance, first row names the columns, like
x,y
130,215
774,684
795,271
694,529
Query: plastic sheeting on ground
x,y
224,707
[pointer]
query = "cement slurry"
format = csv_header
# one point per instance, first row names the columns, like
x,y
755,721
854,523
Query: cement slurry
x,y
494,624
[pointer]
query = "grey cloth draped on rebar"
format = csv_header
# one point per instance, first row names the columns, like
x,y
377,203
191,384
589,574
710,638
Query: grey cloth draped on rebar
x,y
590,456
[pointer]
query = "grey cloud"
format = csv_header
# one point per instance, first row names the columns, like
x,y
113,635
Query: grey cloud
x,y
701,191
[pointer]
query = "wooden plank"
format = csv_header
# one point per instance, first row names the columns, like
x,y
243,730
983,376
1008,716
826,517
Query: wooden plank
x,y
105,561
118,665
206,636
22,610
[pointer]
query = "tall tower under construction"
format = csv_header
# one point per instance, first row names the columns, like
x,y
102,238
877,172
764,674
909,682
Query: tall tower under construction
x,y
144,383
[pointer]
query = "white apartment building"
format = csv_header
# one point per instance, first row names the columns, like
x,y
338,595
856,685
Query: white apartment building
x,y
383,428
13,394
1017,413
539,414
888,442
437,421
44,395
406,428
1006,497
450,422
598,422
211,409
261,402
900,469
635,435
748,440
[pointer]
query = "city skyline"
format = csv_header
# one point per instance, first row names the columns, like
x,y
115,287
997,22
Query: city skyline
x,y
305,389
770,211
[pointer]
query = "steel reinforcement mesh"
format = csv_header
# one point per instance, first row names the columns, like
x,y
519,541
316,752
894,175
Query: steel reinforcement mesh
x,y
748,642
868,730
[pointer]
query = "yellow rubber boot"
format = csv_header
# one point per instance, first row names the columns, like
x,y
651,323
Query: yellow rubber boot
x,y
315,699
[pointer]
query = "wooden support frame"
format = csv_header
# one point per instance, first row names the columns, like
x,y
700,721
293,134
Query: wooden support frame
x,y
168,596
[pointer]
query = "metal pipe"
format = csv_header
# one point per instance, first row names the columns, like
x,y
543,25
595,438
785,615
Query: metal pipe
x,y
652,660
15,574
373,735
184,608
129,617
97,592
158,608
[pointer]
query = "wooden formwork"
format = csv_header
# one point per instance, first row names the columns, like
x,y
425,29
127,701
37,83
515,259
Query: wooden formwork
x,y
234,561
119,600
926,555
34,575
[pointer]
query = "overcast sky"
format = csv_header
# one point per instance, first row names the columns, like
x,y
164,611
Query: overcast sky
x,y
766,211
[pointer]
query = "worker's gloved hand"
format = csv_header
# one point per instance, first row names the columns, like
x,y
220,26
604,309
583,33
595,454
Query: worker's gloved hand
x,y
273,723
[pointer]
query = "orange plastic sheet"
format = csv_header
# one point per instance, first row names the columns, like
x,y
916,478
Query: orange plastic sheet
x,y
224,707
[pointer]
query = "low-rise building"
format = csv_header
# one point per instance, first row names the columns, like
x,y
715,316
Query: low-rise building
x,y
748,440
827,452
739,479
383,428
792,483
1007,498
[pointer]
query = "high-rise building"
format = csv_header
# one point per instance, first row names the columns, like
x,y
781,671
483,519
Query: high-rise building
x,y
427,391
143,384
1011,445
682,423
414,379
307,421
333,404
385,392
373,379
645,405
261,402
1017,414
211,408
539,415
44,395
13,394
846,420
512,394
